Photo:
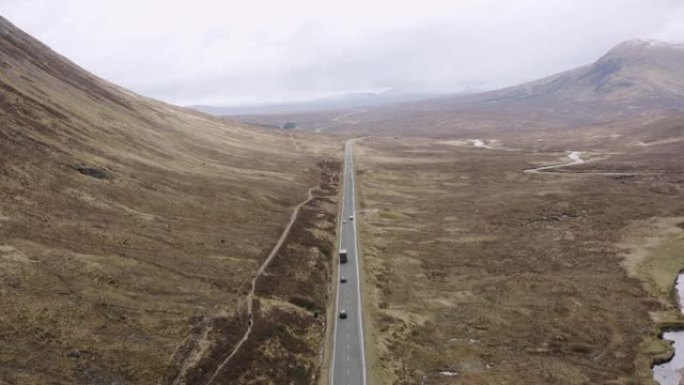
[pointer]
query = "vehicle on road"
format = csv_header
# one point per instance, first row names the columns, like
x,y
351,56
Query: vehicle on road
x,y
343,279
343,255
351,217
343,314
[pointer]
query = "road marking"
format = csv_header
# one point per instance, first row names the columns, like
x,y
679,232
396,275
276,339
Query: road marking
x,y
358,258
349,203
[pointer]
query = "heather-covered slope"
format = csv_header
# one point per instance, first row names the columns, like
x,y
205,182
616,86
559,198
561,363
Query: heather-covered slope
x,y
125,222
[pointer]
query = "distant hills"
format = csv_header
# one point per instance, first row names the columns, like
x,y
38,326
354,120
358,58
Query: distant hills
x,y
634,74
335,102
637,79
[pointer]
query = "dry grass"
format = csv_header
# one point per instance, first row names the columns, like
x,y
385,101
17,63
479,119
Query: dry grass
x,y
654,253
502,276
106,271
289,307
653,250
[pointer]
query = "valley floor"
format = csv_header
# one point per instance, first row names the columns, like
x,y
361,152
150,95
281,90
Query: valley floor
x,y
481,273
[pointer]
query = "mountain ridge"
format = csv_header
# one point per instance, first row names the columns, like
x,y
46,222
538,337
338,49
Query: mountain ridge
x,y
635,80
624,73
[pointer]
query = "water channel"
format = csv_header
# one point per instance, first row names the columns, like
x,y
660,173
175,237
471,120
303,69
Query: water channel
x,y
672,372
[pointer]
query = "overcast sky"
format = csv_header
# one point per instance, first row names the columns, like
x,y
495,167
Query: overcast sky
x,y
227,52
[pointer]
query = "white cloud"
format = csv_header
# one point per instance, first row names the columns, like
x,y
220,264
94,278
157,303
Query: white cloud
x,y
211,51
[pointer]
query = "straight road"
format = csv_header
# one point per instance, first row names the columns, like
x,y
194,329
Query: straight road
x,y
348,359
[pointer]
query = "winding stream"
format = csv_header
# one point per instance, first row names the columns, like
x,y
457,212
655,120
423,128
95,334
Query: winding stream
x,y
480,144
672,372
574,156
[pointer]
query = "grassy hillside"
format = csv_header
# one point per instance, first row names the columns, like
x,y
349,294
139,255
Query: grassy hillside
x,y
125,222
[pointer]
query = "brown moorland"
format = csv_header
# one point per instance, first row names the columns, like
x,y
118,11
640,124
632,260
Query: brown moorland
x,y
127,225
130,231
478,272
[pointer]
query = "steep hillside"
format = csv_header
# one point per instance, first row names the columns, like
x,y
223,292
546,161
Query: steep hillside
x,y
636,74
127,225
638,79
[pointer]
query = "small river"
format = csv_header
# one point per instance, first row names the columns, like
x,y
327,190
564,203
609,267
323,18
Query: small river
x,y
672,372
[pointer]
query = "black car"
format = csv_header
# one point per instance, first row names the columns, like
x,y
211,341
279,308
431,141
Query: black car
x,y
343,314
343,279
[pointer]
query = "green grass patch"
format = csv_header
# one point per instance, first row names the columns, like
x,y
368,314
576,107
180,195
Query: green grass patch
x,y
665,263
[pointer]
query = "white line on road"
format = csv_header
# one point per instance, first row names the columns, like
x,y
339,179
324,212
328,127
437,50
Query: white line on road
x,y
349,202
358,260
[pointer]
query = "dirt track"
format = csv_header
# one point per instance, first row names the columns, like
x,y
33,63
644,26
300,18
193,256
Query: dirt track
x,y
250,295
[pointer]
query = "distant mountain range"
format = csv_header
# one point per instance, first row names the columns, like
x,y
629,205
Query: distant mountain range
x,y
638,79
636,73
335,102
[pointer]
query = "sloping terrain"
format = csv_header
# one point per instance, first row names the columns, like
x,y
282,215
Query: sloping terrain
x,y
636,73
126,224
635,80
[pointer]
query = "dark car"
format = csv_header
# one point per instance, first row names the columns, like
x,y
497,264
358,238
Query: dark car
x,y
343,314
343,279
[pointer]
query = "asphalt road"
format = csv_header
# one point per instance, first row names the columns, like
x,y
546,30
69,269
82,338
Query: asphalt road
x,y
348,359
